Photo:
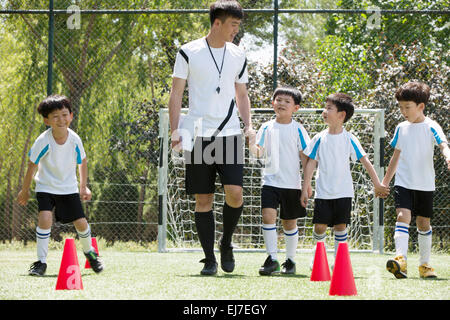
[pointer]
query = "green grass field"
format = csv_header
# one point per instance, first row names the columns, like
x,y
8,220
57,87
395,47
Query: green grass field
x,y
136,273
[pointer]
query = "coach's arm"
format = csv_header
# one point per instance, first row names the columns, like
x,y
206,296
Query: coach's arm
x,y
176,96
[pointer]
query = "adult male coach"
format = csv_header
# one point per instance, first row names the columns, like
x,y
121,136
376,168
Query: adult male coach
x,y
216,73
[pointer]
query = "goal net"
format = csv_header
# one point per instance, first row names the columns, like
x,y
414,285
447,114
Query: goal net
x,y
176,226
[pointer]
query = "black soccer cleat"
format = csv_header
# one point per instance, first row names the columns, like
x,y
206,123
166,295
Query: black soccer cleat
x,y
210,267
288,267
226,258
94,261
37,268
269,267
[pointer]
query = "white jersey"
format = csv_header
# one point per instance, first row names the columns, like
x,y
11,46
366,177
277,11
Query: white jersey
x,y
416,142
57,163
333,153
208,108
282,144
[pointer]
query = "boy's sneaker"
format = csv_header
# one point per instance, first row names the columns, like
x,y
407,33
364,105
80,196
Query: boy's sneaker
x,y
269,267
37,268
397,267
288,267
94,261
226,258
210,267
426,271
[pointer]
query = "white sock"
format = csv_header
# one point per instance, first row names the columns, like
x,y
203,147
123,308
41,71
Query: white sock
x,y
319,237
424,238
291,240
42,239
339,236
85,239
270,239
401,237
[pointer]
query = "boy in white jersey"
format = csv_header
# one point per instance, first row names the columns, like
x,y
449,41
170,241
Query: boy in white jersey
x,y
55,155
331,150
215,70
412,164
281,142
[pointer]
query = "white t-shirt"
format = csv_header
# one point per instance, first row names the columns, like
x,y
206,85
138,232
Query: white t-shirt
x,y
195,64
333,153
416,142
57,163
282,144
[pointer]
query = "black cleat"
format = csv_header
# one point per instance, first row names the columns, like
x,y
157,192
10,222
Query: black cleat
x,y
210,267
226,258
94,261
288,267
269,267
37,268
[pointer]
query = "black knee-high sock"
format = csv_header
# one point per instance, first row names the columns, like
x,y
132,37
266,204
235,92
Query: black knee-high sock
x,y
230,219
204,221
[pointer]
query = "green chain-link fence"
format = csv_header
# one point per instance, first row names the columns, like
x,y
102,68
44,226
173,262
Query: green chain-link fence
x,y
114,60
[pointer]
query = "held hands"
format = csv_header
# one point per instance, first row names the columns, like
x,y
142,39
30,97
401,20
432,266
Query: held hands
x,y
381,191
250,134
85,194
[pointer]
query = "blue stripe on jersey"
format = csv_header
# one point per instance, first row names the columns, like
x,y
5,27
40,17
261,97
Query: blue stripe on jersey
x,y
314,151
78,154
302,139
358,152
394,141
43,152
436,136
263,137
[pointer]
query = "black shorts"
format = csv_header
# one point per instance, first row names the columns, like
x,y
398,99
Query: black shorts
x,y
332,211
287,199
67,207
419,202
222,155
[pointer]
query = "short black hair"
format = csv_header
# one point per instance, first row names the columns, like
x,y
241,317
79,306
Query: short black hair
x,y
289,91
416,91
343,102
223,9
52,103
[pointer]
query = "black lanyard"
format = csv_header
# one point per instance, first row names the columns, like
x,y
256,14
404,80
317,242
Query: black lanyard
x,y
221,67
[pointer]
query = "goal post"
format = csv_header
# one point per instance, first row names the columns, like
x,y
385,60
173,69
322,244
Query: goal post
x,y
176,225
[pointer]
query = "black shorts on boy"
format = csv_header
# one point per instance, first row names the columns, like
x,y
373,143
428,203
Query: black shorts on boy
x,y
68,207
287,199
222,155
419,202
332,211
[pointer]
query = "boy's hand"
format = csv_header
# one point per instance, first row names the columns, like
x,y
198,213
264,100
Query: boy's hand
x,y
448,162
85,194
22,197
381,191
306,193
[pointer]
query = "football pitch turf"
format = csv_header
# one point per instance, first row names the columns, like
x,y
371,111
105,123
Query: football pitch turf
x,y
148,275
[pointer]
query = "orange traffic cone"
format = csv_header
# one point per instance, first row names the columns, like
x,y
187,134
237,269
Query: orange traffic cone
x,y
320,271
69,277
342,282
87,265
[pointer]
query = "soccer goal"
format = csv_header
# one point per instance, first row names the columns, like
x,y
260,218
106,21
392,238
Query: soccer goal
x,y
176,226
